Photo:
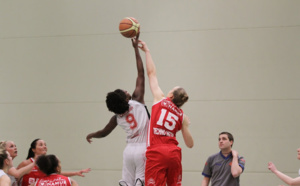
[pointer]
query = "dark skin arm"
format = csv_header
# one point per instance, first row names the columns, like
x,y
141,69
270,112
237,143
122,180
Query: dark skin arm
x,y
138,94
105,131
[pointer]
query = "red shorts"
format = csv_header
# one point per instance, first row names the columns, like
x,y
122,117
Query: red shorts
x,y
163,165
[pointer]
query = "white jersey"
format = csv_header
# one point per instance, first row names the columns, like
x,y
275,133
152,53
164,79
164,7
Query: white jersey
x,y
135,122
2,173
13,180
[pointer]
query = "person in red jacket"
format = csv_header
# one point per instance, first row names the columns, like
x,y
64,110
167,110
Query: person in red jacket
x,y
50,166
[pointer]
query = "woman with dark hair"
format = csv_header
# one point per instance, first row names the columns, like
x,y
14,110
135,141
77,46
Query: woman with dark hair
x,y
14,173
5,164
131,114
37,148
50,166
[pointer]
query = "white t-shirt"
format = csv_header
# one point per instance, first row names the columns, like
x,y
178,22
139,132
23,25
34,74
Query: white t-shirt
x,y
2,173
13,180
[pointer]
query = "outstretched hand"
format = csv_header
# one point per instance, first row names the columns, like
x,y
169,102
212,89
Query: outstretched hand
x,y
89,138
142,45
80,173
272,167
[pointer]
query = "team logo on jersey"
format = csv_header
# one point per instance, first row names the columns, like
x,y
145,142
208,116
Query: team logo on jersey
x,y
54,182
219,164
162,132
31,180
150,182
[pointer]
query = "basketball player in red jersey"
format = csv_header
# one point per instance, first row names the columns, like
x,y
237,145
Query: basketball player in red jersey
x,y
163,164
51,167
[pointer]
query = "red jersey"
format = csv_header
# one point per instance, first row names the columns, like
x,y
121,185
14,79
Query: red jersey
x,y
166,120
31,177
54,180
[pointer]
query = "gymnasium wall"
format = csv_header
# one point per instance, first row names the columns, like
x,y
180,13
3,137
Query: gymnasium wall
x,y
238,60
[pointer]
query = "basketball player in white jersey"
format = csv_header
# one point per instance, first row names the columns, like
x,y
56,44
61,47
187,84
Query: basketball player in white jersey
x,y
132,115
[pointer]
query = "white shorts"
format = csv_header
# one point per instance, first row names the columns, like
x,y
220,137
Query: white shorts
x,y
134,163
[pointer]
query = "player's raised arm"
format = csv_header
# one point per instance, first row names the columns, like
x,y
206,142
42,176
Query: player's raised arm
x,y
139,91
151,71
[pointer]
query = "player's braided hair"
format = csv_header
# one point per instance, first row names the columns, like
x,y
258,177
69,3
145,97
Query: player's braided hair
x,y
116,101
47,163
180,97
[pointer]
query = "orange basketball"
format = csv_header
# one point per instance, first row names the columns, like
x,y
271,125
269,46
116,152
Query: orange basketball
x,y
129,27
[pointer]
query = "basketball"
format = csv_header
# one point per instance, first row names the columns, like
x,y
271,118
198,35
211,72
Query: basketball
x,y
129,27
